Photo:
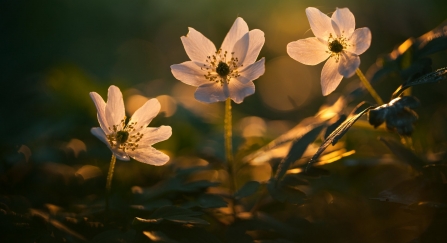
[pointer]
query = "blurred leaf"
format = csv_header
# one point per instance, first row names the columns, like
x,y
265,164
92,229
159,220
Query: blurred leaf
x,y
338,133
436,76
247,189
207,201
408,192
294,180
158,236
404,154
285,193
172,214
69,233
297,150
114,236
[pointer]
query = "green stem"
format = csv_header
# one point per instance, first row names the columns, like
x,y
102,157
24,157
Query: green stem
x,y
228,132
229,148
109,180
368,86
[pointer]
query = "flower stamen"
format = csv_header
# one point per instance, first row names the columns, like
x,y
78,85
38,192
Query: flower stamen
x,y
220,69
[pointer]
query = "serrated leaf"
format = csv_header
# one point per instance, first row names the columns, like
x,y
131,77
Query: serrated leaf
x,y
433,77
297,150
404,154
247,189
337,134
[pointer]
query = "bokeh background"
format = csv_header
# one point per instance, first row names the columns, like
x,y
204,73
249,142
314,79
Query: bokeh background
x,y
54,52
57,51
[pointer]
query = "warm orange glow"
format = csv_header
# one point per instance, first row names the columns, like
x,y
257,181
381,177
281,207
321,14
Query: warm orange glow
x,y
134,102
77,146
252,126
168,105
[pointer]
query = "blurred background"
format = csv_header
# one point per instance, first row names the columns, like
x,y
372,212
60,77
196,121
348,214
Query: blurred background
x,y
57,51
54,52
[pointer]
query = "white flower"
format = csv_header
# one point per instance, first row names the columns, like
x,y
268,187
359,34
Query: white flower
x,y
335,39
224,73
135,139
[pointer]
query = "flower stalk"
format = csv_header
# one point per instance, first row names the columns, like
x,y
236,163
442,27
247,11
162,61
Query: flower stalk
x,y
368,86
228,135
109,180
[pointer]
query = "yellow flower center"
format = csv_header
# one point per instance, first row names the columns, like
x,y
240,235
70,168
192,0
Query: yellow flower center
x,y
220,68
122,139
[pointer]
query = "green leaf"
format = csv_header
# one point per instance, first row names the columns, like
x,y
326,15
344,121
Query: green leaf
x,y
433,77
285,193
247,189
338,133
297,150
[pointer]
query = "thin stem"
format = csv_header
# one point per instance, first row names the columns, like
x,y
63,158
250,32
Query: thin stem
x,y
368,86
229,148
109,180
228,132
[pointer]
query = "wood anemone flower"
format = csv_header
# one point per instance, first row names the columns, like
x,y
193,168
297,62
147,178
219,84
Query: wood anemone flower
x,y
134,139
226,72
335,40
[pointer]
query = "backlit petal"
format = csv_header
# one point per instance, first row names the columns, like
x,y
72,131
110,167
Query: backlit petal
x,y
154,135
252,72
309,51
343,22
349,62
359,41
197,46
144,115
248,47
101,110
237,31
212,92
320,23
238,90
114,107
99,133
330,78
189,73
149,155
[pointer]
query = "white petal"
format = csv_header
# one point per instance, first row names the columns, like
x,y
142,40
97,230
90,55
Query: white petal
x,y
144,115
197,46
309,51
101,110
343,22
115,107
238,90
212,92
189,73
248,47
154,135
237,31
320,23
149,155
256,40
330,78
252,71
99,133
359,41
349,62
